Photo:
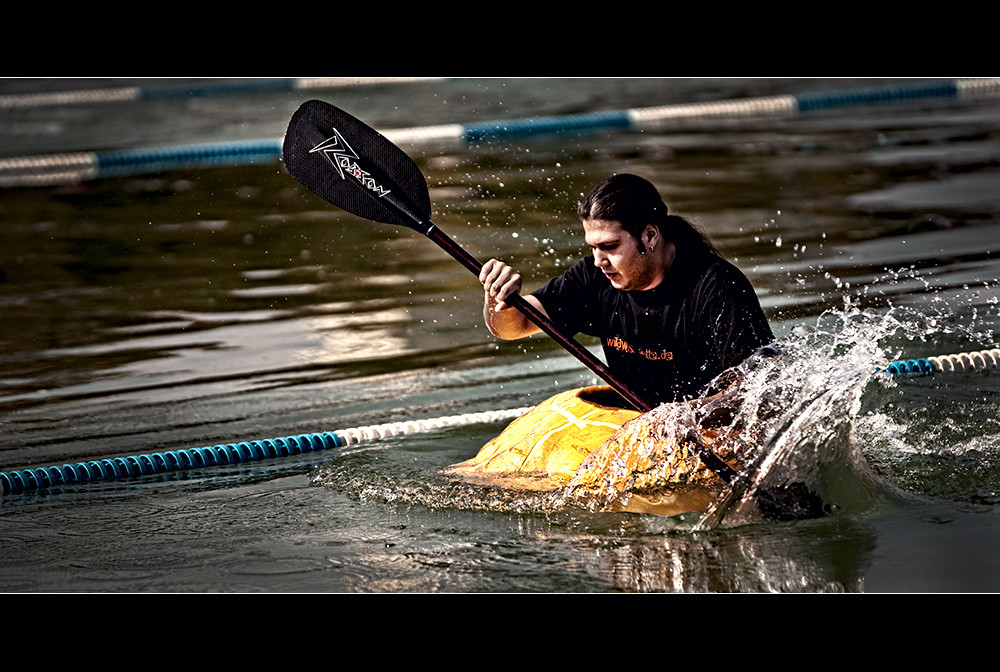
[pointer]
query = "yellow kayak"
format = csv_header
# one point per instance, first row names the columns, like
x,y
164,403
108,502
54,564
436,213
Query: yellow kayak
x,y
600,453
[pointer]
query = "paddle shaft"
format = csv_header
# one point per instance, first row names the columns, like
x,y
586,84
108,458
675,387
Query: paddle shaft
x,y
539,319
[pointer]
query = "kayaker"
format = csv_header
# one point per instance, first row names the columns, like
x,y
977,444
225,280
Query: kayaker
x,y
670,312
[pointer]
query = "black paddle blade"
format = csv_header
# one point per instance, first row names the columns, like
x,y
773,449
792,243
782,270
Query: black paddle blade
x,y
349,164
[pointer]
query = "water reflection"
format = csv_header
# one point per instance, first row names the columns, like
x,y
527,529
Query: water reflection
x,y
825,557
344,338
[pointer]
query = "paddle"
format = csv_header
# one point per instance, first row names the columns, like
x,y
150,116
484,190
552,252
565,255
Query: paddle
x,y
349,164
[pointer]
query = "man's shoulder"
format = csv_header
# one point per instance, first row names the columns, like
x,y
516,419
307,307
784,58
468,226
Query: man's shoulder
x,y
716,268
717,264
579,282
719,280
582,273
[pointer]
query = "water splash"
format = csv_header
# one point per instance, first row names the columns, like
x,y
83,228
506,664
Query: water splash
x,y
795,413
808,440
789,420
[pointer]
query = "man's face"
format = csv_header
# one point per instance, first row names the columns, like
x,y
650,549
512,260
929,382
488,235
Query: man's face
x,y
616,254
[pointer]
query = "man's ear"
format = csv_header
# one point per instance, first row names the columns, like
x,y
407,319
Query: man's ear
x,y
650,235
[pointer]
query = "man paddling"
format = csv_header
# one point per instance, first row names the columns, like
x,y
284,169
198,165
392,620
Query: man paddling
x,y
671,314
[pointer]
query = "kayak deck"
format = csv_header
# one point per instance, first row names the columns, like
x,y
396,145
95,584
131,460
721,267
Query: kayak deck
x,y
587,443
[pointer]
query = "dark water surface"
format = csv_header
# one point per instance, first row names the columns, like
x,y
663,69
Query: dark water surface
x,y
193,308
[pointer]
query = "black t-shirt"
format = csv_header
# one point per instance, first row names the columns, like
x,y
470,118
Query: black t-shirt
x,y
668,342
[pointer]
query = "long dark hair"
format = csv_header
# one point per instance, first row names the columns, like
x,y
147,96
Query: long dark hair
x,y
634,202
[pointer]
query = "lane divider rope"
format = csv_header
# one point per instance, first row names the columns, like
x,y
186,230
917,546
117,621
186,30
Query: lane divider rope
x,y
964,361
121,94
133,466
23,480
83,166
117,468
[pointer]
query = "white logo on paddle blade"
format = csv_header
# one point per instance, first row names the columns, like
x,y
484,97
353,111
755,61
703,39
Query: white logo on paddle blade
x,y
345,160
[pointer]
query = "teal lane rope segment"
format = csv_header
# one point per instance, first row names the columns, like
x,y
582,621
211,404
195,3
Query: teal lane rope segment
x,y
191,89
83,166
79,167
134,466
124,162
